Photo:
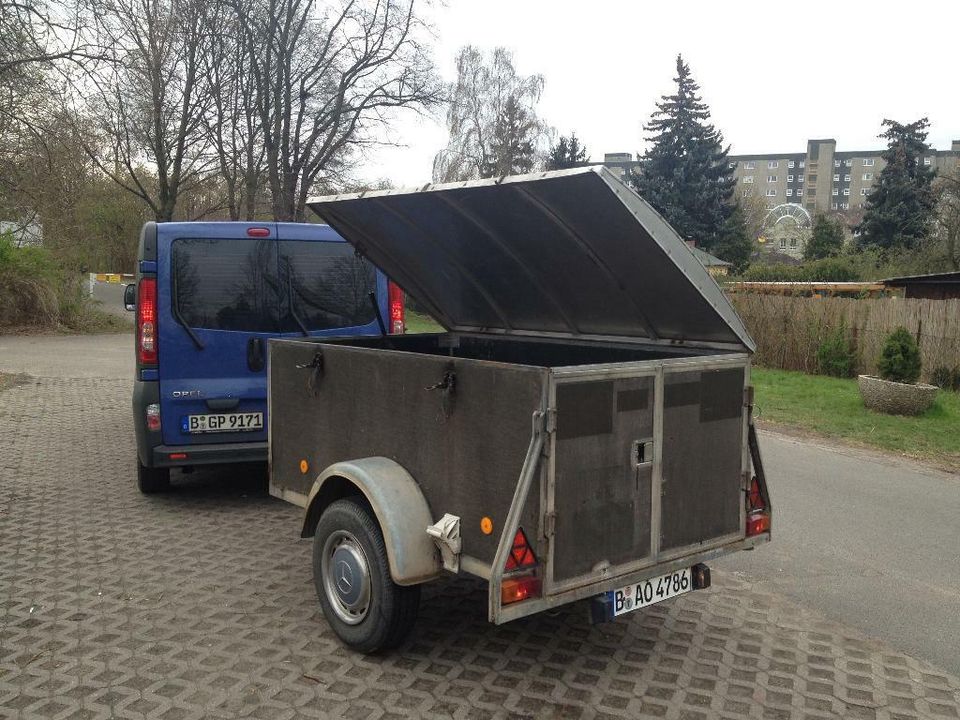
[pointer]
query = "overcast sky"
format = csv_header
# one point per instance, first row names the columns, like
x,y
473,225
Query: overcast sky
x,y
774,74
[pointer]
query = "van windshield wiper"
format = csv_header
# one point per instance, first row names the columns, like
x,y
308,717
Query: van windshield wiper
x,y
175,309
293,311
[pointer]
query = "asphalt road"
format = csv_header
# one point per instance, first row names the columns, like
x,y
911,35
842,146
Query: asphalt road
x,y
866,539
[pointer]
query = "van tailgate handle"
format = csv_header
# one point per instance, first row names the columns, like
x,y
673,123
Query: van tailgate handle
x,y
223,403
255,354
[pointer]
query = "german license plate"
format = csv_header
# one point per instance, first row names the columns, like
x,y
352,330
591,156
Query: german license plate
x,y
224,422
650,592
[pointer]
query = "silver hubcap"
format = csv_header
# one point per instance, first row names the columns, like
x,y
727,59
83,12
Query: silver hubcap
x,y
346,577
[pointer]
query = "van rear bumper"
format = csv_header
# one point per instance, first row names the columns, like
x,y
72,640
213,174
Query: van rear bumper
x,y
221,453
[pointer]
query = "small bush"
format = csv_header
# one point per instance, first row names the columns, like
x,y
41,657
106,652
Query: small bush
x,y
942,377
836,355
830,269
900,359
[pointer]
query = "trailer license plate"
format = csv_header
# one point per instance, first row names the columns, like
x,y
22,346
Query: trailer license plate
x,y
650,592
224,422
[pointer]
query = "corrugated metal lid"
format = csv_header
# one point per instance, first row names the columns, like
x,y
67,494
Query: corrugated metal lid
x,y
571,252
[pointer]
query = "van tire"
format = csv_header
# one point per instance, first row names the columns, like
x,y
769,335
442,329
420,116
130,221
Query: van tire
x,y
152,480
391,609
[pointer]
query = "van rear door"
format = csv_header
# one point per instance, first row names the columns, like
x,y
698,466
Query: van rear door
x,y
324,285
218,305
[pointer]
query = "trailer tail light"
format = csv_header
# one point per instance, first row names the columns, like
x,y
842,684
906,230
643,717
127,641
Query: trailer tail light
x,y
758,523
147,321
153,417
758,515
523,582
397,310
755,496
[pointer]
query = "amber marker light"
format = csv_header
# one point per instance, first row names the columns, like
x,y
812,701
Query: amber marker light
x,y
304,466
486,525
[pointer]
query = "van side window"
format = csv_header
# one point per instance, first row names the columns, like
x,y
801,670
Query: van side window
x,y
326,284
225,284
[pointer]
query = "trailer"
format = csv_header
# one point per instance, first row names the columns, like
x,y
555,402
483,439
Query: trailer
x,y
580,430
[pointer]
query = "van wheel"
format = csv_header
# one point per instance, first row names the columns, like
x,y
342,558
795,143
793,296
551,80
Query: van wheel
x,y
366,609
152,480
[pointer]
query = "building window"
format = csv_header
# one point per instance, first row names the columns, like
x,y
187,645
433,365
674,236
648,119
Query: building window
x,y
802,163
731,165
771,178
790,164
867,177
846,178
783,243
864,191
799,178
846,191
789,178
748,178
793,242
836,163
927,161
836,191
749,165
844,206
836,178
848,163
745,193
811,192
833,206
772,164
772,192
789,192
799,192
868,162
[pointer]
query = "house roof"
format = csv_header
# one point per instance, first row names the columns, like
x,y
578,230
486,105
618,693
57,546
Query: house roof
x,y
929,279
708,260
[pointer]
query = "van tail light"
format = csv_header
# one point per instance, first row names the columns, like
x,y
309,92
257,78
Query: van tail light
x,y
397,309
147,321
153,417
523,580
758,514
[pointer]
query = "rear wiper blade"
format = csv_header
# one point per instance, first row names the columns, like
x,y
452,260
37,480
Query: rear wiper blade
x,y
175,309
293,311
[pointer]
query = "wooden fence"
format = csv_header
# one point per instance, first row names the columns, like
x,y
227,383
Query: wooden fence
x,y
788,330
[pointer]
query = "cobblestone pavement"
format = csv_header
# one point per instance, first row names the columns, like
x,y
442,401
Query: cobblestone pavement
x,y
200,604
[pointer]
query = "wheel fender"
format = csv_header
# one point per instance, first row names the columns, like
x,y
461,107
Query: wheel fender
x,y
399,506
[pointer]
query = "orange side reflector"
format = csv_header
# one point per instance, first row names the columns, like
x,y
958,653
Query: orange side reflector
x,y
521,587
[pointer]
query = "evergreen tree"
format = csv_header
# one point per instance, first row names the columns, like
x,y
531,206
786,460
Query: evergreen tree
x,y
826,238
512,148
735,245
567,153
899,211
685,174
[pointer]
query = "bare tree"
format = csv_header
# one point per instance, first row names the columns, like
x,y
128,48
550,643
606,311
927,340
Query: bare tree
x,y
946,234
325,80
150,101
492,119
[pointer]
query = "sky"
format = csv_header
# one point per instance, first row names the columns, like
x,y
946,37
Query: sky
x,y
774,74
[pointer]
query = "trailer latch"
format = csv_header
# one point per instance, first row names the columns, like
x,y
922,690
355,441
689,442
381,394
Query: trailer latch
x,y
446,534
313,381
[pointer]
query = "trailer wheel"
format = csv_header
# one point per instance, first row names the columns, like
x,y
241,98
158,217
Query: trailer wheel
x,y
365,608
152,480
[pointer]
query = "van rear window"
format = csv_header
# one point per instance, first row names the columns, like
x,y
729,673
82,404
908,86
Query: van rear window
x,y
325,286
225,284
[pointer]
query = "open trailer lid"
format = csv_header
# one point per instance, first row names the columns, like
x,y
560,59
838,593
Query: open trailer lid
x,y
570,252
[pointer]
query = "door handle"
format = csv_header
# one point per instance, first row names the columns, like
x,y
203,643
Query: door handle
x,y
255,359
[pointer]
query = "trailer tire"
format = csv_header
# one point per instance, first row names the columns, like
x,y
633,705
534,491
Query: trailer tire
x,y
366,609
152,480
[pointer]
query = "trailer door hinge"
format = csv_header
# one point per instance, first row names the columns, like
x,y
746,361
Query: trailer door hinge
x,y
748,396
550,524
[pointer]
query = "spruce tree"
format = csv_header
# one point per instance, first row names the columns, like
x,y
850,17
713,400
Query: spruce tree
x,y
567,153
826,238
899,212
685,174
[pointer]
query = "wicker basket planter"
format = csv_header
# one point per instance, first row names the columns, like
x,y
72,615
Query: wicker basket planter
x,y
896,398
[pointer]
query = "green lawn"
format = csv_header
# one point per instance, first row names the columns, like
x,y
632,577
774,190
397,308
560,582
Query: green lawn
x,y
832,407
417,323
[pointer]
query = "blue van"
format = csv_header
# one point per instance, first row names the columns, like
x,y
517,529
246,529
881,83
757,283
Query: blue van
x,y
208,296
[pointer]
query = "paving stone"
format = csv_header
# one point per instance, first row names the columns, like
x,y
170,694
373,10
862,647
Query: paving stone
x,y
200,604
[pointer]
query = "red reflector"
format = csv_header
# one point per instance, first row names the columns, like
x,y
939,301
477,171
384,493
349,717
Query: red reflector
x,y
258,232
754,497
758,523
397,310
515,589
521,554
178,456
147,321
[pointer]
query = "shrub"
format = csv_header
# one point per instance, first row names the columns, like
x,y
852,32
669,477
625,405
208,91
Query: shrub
x,y
836,355
831,269
942,377
900,359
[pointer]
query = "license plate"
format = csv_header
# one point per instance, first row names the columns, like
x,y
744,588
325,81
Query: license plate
x,y
650,592
223,422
